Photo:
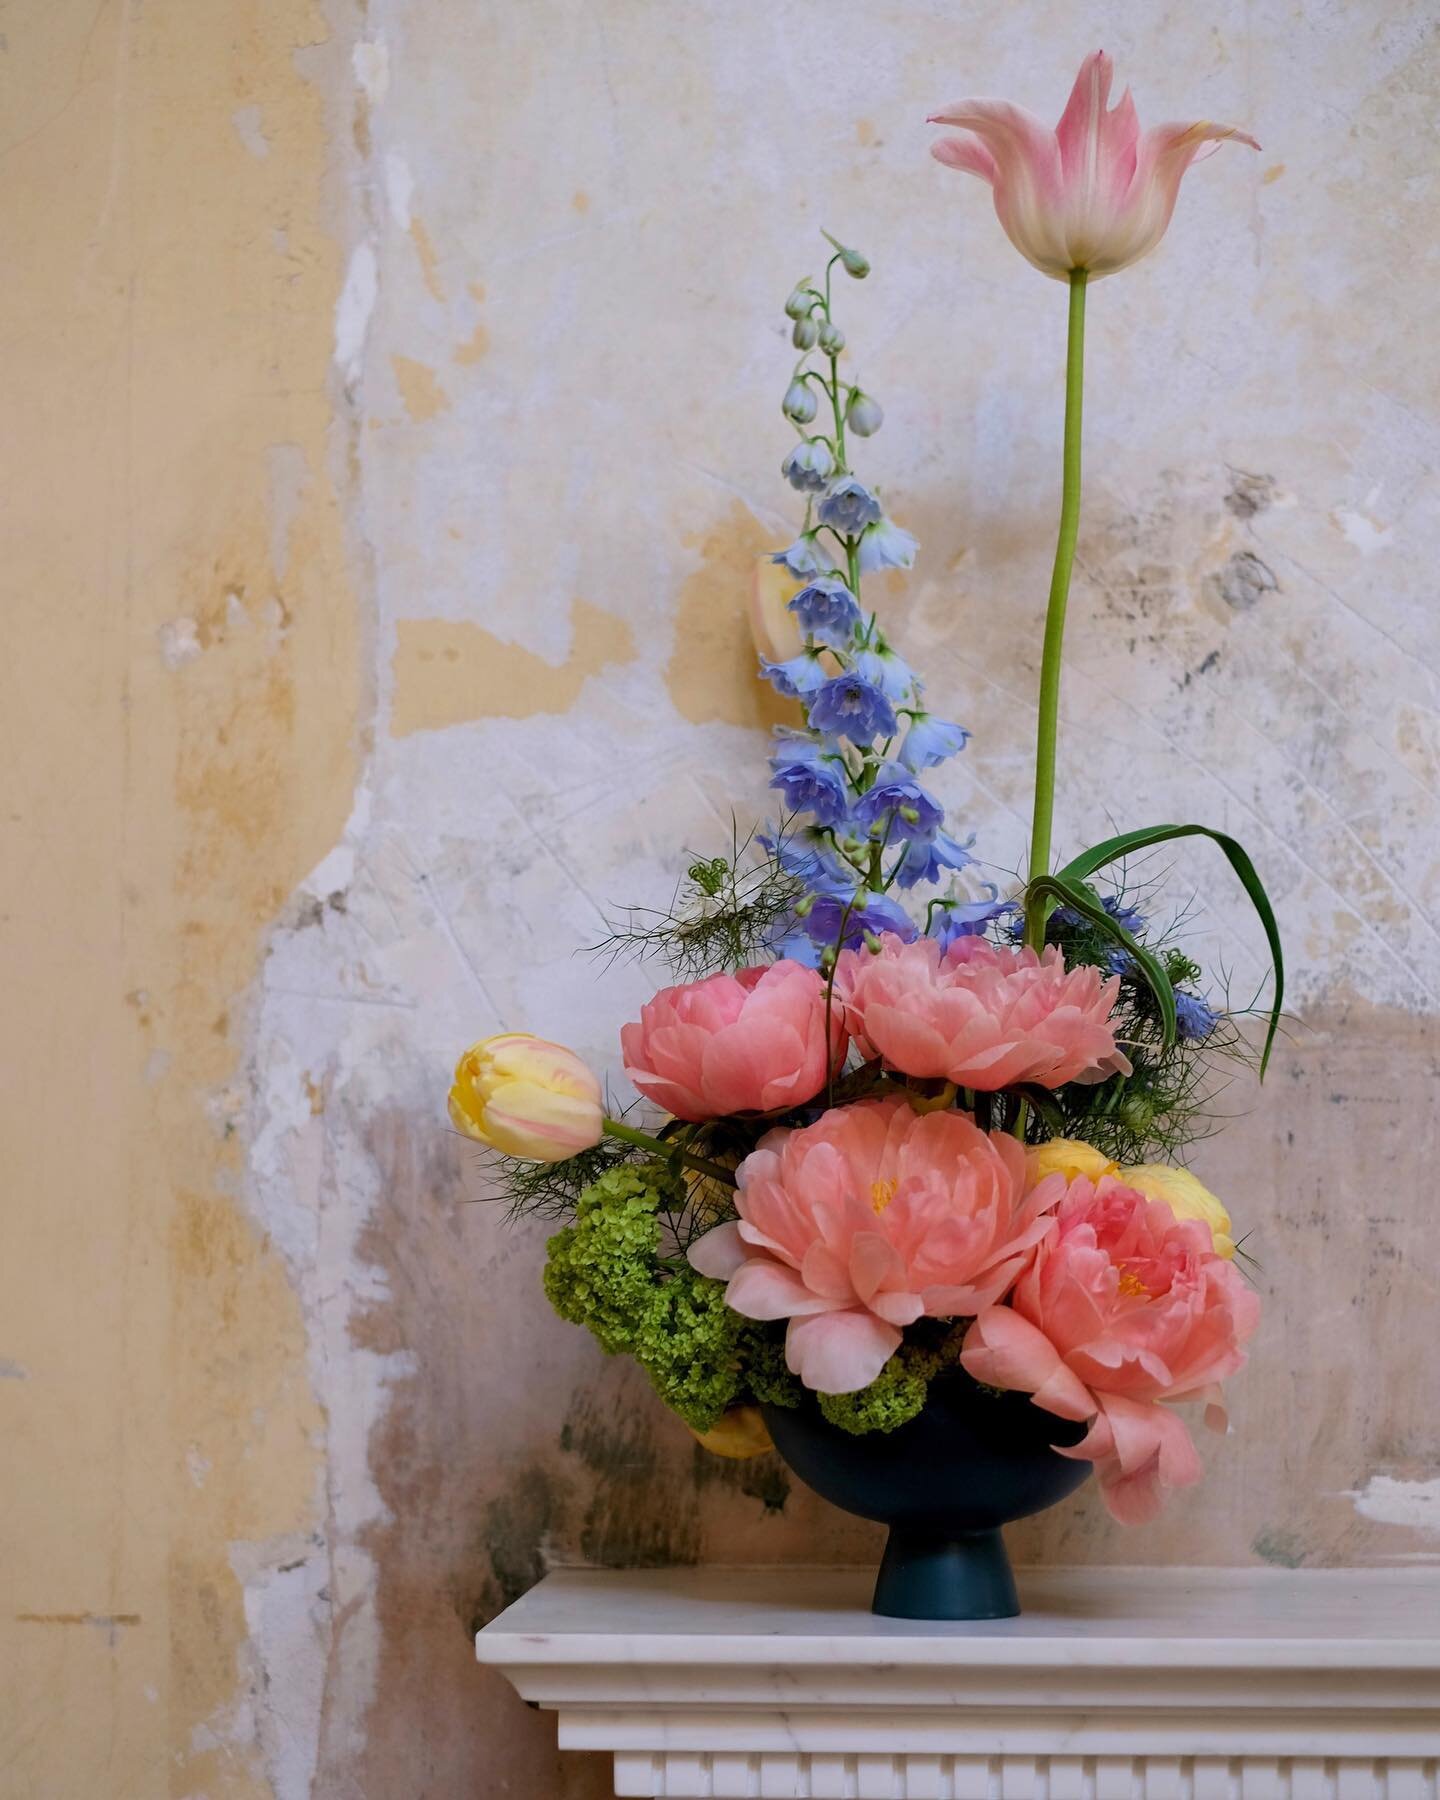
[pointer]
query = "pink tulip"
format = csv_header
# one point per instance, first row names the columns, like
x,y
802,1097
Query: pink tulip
x,y
1122,1308
1094,194
860,1223
752,1042
980,1016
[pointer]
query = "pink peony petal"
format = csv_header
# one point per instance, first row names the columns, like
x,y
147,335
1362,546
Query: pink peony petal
x,y
839,1352
719,1253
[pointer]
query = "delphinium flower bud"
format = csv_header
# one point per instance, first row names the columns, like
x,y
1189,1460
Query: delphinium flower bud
x,y
799,402
806,334
800,301
832,338
851,261
809,466
863,415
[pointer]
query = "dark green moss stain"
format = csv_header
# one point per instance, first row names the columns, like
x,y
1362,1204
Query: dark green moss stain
x,y
1282,1549
509,1558
762,1478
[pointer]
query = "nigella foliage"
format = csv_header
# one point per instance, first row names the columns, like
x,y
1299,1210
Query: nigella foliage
x,y
1168,1100
727,913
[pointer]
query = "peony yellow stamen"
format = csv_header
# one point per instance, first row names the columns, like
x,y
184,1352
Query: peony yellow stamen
x,y
881,1194
1131,1285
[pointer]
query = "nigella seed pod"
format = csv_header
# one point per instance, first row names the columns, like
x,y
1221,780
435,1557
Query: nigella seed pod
x,y
800,301
806,333
863,415
799,403
832,339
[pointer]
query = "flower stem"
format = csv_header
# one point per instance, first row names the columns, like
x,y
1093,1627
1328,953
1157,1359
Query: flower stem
x,y
1035,915
627,1134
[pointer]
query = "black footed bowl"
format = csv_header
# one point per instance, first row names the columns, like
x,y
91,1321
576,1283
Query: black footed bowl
x,y
968,1463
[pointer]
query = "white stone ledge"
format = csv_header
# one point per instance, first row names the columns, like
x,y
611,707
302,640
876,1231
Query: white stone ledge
x,y
1114,1684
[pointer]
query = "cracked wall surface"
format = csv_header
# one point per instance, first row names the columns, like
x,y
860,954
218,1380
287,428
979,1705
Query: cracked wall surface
x,y
392,431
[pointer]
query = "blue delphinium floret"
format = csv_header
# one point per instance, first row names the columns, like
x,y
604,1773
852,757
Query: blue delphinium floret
x,y
931,741
885,546
1194,1019
806,556
890,673
827,611
848,507
897,808
848,706
925,859
797,677
951,919
867,912
817,786
809,466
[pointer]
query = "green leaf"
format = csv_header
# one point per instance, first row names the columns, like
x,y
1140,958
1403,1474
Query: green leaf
x,y
1044,1104
1071,892
1079,867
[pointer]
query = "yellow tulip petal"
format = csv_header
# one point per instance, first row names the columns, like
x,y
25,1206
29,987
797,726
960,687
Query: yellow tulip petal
x,y
738,1434
1071,1158
1186,1197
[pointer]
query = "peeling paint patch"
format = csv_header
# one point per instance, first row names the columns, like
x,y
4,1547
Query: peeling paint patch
x,y
13,1371
429,260
179,641
474,347
399,187
420,393
450,671
1364,533
246,120
1388,1501
354,308
370,60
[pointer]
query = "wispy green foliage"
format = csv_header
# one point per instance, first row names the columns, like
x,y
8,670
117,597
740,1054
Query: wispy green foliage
x,y
726,913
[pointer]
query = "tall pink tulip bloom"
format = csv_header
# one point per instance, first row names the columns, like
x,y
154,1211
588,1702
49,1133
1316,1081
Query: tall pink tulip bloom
x,y
752,1042
1094,194
1123,1309
860,1223
980,1015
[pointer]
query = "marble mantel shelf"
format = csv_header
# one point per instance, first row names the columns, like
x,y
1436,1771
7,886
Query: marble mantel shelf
x,y
1114,1684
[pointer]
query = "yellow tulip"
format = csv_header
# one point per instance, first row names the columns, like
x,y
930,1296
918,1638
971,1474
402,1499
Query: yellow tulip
x,y
1071,1158
526,1097
1186,1197
738,1433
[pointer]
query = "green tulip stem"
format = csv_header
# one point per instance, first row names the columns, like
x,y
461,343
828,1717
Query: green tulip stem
x,y
1048,730
627,1134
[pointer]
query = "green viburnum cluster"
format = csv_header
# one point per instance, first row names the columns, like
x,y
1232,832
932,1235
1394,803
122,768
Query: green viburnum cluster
x,y
898,1392
606,1272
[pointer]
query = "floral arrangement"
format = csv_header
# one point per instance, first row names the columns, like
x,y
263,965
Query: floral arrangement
x,y
902,1128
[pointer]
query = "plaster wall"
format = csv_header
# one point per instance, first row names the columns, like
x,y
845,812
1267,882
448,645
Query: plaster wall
x,y
392,427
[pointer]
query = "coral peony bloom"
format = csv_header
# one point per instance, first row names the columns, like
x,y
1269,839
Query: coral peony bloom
x,y
526,1097
979,1016
1123,1307
1094,194
751,1042
860,1223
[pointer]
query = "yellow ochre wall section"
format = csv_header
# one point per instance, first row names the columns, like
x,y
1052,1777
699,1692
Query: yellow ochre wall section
x,y
390,429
